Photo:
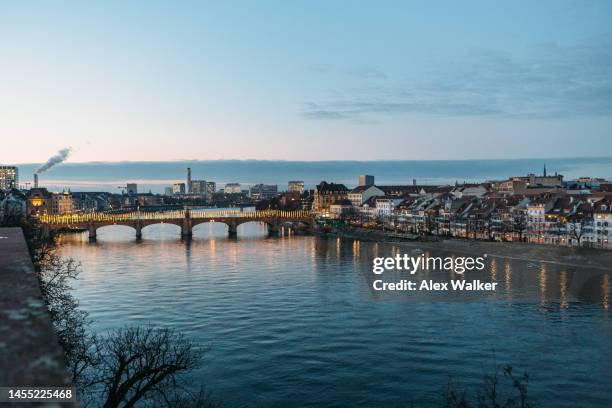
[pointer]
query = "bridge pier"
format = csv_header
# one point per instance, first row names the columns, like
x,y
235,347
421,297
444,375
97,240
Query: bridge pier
x,y
186,229
138,228
274,229
92,233
232,229
186,233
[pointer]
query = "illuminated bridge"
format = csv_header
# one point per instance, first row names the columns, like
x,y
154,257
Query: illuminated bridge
x,y
185,219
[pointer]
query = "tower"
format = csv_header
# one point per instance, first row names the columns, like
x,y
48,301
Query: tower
x,y
366,180
188,184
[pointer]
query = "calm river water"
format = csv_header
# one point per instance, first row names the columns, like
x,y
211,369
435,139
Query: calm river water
x,y
293,321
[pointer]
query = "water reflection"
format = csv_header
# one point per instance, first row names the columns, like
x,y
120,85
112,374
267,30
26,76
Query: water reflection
x,y
519,279
542,283
296,318
493,267
605,289
508,278
563,289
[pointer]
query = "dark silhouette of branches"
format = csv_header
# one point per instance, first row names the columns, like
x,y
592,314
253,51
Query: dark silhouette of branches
x,y
505,391
144,364
55,275
124,368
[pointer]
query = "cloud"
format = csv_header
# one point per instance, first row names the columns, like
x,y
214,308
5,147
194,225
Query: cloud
x,y
550,81
314,111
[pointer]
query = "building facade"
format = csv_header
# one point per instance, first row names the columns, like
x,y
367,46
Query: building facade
x,y
326,194
178,188
264,191
9,177
361,194
366,180
132,188
232,188
41,201
295,186
602,225
188,184
211,190
198,187
61,203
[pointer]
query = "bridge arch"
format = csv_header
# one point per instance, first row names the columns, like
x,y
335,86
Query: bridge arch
x,y
269,227
147,223
216,228
195,223
159,226
94,229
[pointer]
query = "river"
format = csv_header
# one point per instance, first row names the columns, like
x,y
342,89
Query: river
x,y
294,321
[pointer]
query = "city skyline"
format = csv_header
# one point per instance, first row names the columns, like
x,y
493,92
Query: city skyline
x,y
274,81
306,203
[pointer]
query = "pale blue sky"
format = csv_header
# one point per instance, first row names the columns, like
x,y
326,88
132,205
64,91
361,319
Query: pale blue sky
x,y
305,80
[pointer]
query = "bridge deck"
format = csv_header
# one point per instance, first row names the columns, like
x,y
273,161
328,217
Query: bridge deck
x,y
104,217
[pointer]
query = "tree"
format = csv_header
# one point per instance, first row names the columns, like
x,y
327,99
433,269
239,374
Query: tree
x,y
519,225
575,230
54,275
579,222
127,366
143,365
70,322
495,392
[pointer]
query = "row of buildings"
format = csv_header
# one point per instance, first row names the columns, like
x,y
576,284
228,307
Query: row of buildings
x,y
40,200
208,189
535,208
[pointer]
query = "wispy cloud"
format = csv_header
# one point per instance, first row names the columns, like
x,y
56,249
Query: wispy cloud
x,y
551,81
314,111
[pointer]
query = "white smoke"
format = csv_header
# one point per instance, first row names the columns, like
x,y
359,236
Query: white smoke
x,y
55,159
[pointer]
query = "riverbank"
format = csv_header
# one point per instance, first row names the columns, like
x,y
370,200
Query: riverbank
x,y
569,256
30,353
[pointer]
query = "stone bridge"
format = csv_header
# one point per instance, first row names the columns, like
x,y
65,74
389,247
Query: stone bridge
x,y
185,219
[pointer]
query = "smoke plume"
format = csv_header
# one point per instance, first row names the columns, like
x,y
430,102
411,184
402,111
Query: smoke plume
x,y
55,159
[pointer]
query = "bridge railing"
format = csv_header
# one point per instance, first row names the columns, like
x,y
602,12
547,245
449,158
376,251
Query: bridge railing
x,y
94,217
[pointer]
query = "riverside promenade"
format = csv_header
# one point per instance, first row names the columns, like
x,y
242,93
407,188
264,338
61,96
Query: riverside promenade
x,y
594,258
30,355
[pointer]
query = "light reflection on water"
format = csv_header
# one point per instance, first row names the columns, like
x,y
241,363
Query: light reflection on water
x,y
294,320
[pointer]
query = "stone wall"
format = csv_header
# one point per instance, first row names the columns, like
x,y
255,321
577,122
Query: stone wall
x,y
30,354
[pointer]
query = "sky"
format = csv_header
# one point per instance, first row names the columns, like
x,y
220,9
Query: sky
x,y
304,80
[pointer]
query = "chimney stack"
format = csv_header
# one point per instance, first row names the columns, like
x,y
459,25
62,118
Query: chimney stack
x,y
35,180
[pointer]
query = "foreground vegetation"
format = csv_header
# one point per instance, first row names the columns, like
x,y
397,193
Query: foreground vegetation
x,y
507,390
126,367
